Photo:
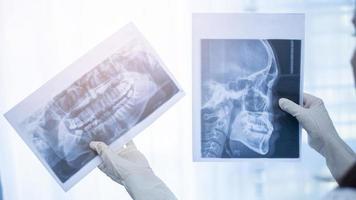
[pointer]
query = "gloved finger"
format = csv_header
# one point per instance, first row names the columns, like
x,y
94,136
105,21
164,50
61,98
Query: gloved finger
x,y
111,161
98,146
131,145
117,151
103,150
289,106
102,167
129,151
127,147
310,100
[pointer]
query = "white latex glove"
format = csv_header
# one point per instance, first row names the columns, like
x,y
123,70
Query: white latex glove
x,y
341,194
322,135
130,168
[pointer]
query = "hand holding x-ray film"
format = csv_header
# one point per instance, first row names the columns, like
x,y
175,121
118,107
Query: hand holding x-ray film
x,y
130,168
110,94
322,134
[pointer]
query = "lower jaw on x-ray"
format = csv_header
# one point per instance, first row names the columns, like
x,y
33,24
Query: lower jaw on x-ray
x,y
237,97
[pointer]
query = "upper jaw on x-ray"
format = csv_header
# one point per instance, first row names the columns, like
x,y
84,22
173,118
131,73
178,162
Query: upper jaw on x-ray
x,y
102,105
237,96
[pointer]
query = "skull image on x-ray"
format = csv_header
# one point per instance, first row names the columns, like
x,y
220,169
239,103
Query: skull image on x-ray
x,y
237,95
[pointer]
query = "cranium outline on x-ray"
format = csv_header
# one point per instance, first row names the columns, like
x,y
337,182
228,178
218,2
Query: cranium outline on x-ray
x,y
237,103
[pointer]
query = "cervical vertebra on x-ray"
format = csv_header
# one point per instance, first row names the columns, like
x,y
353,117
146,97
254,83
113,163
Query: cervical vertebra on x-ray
x,y
238,112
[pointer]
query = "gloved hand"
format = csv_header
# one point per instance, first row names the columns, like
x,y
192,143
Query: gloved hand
x,y
341,193
130,168
322,135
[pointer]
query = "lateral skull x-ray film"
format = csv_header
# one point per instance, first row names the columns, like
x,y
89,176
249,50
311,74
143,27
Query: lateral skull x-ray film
x,y
110,94
241,68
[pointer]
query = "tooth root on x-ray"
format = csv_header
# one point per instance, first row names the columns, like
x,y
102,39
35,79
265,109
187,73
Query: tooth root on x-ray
x,y
250,95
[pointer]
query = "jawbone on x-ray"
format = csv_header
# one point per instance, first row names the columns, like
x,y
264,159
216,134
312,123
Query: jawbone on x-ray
x,y
240,82
104,104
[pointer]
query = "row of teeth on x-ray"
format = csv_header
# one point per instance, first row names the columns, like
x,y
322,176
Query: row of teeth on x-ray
x,y
107,93
91,84
85,115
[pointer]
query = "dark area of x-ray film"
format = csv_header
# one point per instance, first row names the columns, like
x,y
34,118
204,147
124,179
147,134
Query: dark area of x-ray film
x,y
102,105
242,81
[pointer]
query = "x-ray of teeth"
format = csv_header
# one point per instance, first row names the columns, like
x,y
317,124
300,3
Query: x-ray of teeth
x,y
120,92
102,105
241,82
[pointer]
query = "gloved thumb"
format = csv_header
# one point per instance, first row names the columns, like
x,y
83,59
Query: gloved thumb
x,y
100,147
289,106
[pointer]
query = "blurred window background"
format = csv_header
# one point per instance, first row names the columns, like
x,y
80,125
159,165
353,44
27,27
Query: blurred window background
x,y
40,38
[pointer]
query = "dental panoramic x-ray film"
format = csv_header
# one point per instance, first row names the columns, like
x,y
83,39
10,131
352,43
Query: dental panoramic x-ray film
x,y
110,102
241,81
